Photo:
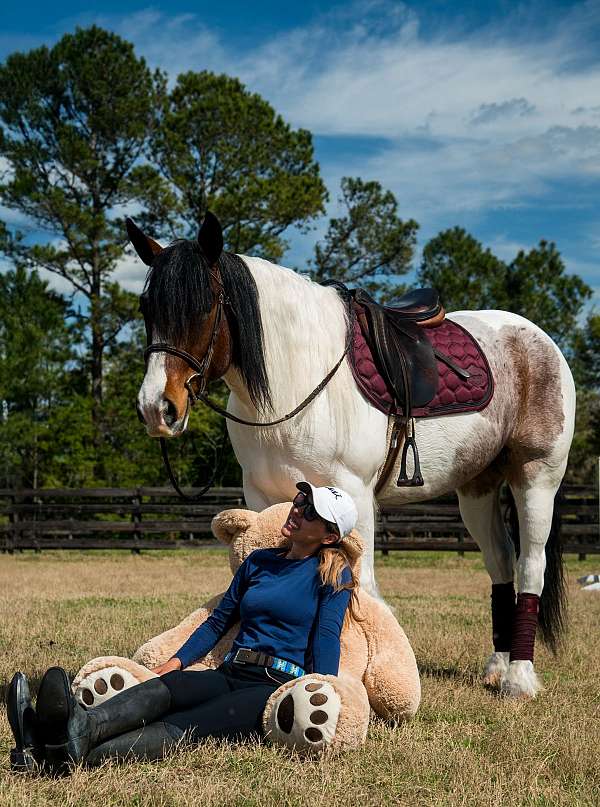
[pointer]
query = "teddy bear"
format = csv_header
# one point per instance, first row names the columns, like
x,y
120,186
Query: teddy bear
x,y
378,670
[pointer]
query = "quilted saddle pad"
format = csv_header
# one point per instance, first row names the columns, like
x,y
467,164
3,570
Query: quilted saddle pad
x,y
454,394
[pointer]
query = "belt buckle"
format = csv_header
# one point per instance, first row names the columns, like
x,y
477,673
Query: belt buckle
x,y
239,655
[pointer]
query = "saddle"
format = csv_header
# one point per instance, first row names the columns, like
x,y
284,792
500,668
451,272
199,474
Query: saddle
x,y
408,363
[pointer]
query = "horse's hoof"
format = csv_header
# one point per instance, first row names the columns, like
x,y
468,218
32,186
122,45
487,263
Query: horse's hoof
x,y
100,685
304,714
520,681
495,669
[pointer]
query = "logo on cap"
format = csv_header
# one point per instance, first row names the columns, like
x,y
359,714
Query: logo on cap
x,y
335,492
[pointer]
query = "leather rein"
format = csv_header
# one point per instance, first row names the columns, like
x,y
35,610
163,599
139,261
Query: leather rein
x,y
201,367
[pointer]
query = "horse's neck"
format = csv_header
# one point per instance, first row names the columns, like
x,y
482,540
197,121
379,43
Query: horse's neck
x,y
304,328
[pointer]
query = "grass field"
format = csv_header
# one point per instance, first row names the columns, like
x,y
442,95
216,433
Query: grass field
x,y
465,747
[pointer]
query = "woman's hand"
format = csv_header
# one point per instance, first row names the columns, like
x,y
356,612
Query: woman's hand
x,y
167,667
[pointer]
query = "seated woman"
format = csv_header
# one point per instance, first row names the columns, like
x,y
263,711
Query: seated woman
x,y
290,601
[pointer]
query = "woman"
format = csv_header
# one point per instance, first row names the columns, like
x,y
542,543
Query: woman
x,y
291,603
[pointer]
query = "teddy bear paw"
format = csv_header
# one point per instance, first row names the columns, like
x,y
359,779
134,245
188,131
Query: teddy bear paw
x,y
304,714
98,686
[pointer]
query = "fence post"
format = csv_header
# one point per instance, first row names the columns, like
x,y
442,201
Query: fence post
x,y
136,517
12,536
461,540
385,536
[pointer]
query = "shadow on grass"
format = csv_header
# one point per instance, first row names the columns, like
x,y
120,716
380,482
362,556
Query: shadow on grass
x,y
449,672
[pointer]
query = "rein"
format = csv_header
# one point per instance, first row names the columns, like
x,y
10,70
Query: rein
x,y
200,368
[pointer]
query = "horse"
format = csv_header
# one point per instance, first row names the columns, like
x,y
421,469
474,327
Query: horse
x,y
273,335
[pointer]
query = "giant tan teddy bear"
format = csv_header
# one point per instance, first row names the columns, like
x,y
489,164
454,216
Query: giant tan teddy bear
x,y
377,665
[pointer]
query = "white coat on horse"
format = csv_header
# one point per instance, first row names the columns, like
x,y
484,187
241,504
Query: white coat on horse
x,y
281,335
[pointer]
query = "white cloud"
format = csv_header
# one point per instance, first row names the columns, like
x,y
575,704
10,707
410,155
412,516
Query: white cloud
x,y
130,272
470,121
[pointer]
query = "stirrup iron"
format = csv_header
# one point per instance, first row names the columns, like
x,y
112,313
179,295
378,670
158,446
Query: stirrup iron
x,y
410,443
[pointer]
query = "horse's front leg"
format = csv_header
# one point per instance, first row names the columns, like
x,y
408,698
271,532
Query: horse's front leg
x,y
255,498
365,526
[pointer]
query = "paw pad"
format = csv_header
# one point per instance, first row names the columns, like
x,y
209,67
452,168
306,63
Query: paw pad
x,y
298,724
102,685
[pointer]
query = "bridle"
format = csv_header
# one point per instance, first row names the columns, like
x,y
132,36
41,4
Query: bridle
x,y
200,369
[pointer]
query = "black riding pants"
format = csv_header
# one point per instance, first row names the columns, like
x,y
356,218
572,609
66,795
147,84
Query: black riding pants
x,y
227,702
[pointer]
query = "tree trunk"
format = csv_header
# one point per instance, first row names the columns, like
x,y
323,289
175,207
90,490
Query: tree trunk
x,y
96,372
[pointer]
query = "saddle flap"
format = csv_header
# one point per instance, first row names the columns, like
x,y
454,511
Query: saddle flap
x,y
403,352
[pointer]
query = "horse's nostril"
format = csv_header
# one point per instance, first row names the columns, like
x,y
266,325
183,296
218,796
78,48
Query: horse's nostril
x,y
140,414
170,413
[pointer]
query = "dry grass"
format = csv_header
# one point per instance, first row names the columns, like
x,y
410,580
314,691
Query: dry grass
x,y
466,746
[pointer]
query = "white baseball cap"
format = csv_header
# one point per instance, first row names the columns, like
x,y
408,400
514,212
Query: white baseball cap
x,y
333,504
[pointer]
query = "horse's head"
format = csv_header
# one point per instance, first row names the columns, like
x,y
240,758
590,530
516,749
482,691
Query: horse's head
x,y
183,307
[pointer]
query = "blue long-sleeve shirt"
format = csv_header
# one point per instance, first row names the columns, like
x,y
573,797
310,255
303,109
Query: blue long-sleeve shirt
x,y
284,610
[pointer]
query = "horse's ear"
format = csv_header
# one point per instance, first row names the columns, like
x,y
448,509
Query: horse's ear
x,y
210,237
147,248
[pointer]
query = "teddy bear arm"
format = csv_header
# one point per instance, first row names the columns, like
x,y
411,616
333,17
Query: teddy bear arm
x,y
162,647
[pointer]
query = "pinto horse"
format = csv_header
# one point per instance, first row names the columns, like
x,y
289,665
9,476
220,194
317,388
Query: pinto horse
x,y
273,335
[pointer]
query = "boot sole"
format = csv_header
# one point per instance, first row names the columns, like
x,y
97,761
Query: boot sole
x,y
27,755
23,761
54,706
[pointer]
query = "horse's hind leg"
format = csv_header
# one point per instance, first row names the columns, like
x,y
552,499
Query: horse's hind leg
x,y
534,499
481,513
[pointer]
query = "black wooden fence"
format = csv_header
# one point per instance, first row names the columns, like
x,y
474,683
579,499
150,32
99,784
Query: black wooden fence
x,y
155,518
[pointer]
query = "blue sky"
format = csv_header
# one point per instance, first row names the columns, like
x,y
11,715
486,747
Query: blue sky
x,y
479,114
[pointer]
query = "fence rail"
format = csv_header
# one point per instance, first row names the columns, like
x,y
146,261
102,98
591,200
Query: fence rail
x,y
155,518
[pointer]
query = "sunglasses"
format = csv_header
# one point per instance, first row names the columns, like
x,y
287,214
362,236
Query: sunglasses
x,y
302,502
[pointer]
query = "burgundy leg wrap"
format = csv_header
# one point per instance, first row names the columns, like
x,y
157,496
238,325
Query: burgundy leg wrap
x,y
526,620
503,614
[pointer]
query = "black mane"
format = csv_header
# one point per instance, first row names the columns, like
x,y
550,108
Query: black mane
x,y
177,297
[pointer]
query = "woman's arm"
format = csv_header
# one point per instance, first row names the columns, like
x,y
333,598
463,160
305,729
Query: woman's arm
x,y
328,627
205,637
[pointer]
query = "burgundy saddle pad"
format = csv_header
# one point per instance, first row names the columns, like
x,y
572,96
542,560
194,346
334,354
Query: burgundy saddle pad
x,y
454,394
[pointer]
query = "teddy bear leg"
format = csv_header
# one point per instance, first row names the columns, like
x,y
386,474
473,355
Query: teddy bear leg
x,y
318,712
102,678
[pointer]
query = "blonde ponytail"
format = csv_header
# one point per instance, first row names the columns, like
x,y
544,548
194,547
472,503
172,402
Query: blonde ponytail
x,y
333,558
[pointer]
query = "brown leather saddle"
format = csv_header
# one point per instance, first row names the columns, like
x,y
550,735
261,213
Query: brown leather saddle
x,y
407,361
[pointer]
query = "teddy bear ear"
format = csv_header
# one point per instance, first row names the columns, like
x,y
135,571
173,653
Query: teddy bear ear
x,y
229,523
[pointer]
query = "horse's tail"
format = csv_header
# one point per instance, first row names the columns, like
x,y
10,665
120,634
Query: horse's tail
x,y
553,602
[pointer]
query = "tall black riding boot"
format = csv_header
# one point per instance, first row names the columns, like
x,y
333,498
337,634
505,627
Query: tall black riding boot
x,y
28,753
70,731
151,742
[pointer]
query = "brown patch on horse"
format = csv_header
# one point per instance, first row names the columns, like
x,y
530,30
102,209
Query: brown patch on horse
x,y
540,416
525,416
488,480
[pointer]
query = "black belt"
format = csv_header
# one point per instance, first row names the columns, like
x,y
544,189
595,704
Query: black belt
x,y
247,656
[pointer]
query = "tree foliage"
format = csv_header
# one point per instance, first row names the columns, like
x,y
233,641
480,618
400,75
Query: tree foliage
x,y
586,353
369,245
534,284
75,120
223,148
38,370
466,275
88,131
